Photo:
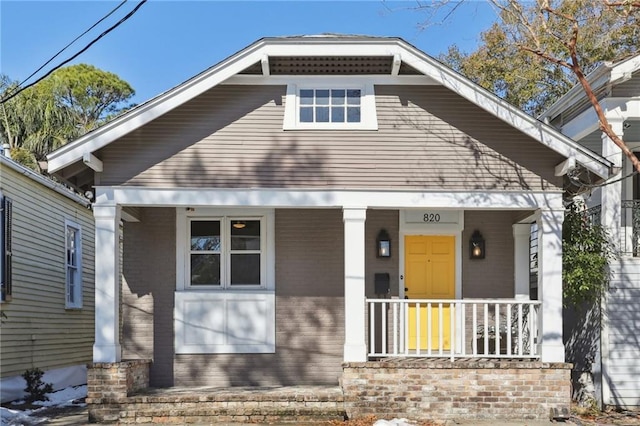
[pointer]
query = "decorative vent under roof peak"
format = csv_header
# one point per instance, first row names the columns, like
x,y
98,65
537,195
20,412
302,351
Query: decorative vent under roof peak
x,y
330,65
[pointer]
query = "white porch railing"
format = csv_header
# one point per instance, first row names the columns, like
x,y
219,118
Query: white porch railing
x,y
469,328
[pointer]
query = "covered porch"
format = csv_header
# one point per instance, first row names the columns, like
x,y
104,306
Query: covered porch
x,y
330,324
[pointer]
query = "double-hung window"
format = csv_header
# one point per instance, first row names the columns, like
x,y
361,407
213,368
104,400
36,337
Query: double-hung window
x,y
225,252
6,253
225,298
73,264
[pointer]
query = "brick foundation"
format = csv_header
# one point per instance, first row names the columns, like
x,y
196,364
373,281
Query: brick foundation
x,y
464,389
417,389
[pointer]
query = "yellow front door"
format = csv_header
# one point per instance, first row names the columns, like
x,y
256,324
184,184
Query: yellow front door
x,y
429,274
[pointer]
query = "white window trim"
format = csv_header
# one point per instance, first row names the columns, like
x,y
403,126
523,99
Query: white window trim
x,y
79,284
368,114
205,316
267,246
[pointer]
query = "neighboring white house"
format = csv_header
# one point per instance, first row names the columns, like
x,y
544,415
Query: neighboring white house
x,y
611,353
47,280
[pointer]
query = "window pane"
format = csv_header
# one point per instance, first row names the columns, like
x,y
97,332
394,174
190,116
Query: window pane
x,y
322,97
353,97
245,235
322,114
306,114
306,97
71,274
245,269
205,269
353,114
337,97
205,235
337,115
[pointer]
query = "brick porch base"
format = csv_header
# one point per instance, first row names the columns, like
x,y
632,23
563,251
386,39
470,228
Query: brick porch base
x,y
469,389
418,389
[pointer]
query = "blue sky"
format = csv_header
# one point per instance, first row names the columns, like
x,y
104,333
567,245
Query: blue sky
x,y
167,42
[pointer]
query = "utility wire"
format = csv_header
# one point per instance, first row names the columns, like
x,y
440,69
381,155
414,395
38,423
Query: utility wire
x,y
107,31
74,40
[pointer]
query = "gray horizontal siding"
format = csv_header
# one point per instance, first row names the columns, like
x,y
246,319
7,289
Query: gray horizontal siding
x,y
38,330
623,320
231,136
629,88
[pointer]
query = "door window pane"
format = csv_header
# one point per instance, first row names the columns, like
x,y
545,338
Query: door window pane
x,y
245,269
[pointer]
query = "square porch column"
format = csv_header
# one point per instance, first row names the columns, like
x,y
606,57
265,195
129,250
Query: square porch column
x,y
107,275
355,348
521,235
611,202
550,284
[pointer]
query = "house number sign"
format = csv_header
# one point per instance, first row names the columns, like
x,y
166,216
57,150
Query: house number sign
x,y
432,217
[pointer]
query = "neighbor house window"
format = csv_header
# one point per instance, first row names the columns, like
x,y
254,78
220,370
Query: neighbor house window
x,y
225,252
6,255
73,264
341,104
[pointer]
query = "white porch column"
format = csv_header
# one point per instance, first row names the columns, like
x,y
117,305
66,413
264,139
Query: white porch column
x,y
107,272
550,284
355,348
611,203
521,234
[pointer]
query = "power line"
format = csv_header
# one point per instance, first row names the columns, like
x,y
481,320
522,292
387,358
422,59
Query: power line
x,y
107,31
74,40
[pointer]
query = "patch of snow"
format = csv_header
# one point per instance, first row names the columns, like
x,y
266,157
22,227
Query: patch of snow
x,y
393,422
62,398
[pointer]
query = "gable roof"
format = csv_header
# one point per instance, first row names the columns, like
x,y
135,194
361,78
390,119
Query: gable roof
x,y
261,55
601,79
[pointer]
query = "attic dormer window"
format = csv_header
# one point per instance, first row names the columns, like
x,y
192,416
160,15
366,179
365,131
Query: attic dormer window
x,y
330,106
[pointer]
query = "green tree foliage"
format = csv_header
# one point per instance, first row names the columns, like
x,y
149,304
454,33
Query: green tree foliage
x,y
70,102
91,96
512,59
586,253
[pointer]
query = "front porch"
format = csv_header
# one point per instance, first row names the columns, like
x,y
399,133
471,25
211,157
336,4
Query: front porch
x,y
414,388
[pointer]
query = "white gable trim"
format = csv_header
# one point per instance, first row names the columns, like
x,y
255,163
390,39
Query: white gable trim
x,y
323,47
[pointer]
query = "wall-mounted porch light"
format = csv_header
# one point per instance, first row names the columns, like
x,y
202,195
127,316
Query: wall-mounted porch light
x,y
476,246
383,244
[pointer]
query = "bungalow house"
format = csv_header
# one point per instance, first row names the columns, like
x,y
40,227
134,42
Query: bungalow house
x,y
607,346
46,281
330,210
